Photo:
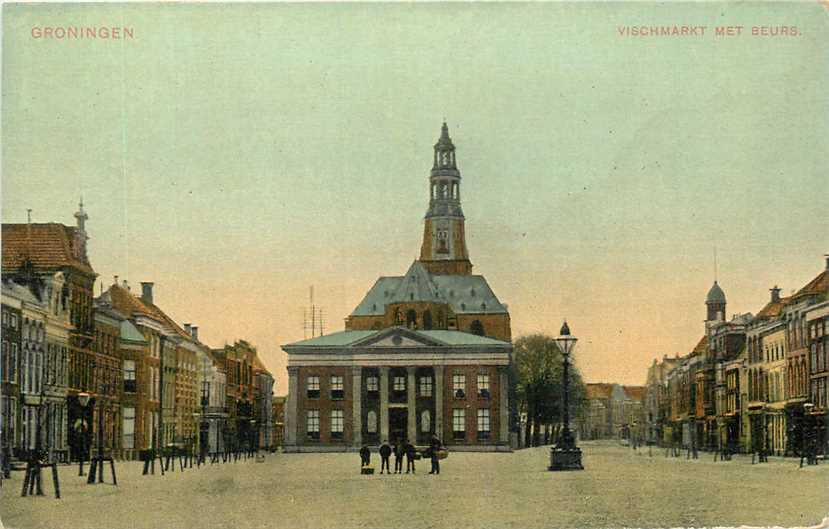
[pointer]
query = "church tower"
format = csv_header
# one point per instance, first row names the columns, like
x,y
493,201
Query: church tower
x,y
443,250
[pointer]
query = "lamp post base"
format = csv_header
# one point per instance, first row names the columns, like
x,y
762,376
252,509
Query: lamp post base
x,y
565,459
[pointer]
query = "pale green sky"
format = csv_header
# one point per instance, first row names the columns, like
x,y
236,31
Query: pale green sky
x,y
237,154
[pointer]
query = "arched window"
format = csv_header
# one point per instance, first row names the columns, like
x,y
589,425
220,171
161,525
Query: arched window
x,y
371,422
427,320
425,422
411,319
477,328
441,320
398,317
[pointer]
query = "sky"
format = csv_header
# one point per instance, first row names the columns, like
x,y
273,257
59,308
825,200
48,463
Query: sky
x,y
236,155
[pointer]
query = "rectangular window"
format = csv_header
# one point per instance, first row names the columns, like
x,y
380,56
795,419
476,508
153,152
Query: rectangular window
x,y
483,423
13,363
399,384
425,386
483,386
128,428
313,387
129,376
459,423
13,319
336,424
312,424
459,385
337,391
372,384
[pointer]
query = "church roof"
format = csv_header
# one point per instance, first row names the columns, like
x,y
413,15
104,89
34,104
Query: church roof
x,y
441,337
50,246
465,294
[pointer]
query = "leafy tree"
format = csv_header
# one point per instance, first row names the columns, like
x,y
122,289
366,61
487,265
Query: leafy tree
x,y
537,374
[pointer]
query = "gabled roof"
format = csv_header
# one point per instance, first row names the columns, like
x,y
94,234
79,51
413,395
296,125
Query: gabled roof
x,y
702,346
124,301
413,338
416,285
465,294
129,333
49,246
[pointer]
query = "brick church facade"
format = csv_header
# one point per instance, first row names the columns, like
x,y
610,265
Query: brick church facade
x,y
424,353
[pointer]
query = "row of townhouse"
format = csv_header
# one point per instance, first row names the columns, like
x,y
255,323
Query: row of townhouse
x,y
612,411
753,383
77,371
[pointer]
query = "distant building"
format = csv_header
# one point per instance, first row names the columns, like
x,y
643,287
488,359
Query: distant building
x,y
278,420
613,412
263,404
423,353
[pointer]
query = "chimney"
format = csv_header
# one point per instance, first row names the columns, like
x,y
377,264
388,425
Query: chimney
x,y
187,329
125,284
194,332
826,255
775,294
115,280
147,292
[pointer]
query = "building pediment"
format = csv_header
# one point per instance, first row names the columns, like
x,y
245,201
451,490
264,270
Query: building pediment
x,y
397,337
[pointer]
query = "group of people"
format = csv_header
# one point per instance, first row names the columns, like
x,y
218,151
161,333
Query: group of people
x,y
401,450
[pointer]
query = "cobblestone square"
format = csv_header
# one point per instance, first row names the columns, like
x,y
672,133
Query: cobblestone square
x,y
619,488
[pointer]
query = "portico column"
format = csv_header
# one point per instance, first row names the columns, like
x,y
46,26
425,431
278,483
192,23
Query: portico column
x,y
293,397
384,404
439,402
357,410
411,415
503,406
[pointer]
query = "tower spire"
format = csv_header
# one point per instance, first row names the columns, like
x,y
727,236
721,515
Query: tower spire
x,y
444,244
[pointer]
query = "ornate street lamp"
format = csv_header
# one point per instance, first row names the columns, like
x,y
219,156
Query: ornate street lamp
x,y
565,455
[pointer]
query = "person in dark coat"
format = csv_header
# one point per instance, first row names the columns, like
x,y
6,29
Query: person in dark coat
x,y
385,452
410,456
399,452
434,448
365,456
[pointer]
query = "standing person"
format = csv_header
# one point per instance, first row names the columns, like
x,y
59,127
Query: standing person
x,y
398,456
385,452
365,456
410,456
434,448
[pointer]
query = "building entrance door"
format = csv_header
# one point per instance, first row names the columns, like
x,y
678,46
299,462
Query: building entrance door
x,y
398,419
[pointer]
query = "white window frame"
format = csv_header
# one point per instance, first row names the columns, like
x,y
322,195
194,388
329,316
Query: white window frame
x,y
484,421
399,383
459,419
312,422
372,383
337,422
426,386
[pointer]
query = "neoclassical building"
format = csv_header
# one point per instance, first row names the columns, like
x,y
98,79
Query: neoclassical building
x,y
423,353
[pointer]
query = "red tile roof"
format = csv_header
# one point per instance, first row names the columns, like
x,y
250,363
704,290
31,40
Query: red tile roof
x,y
772,309
599,390
818,285
634,392
50,246
124,301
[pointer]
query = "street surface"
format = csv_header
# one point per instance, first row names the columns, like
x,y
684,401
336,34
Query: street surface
x,y
618,489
